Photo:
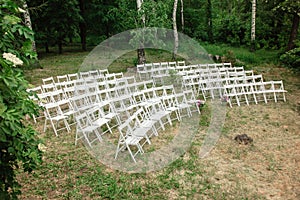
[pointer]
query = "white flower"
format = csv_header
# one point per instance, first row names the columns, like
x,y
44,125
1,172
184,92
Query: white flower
x,y
42,147
12,58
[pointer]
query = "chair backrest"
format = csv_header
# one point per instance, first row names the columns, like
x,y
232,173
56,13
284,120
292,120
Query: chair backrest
x,y
84,74
164,65
62,78
102,71
49,80
33,92
57,95
94,73
82,121
52,110
172,64
181,63
73,77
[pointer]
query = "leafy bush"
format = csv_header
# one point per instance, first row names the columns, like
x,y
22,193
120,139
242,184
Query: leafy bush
x,y
291,58
18,141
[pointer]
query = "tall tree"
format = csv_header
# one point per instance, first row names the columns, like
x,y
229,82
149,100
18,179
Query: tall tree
x,y
209,21
141,50
294,32
28,21
82,25
175,30
182,16
56,21
292,7
253,18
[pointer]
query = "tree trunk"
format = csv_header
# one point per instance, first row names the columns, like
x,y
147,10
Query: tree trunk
x,y
294,32
47,47
141,51
253,25
28,22
141,56
182,17
209,22
34,63
175,30
60,46
82,26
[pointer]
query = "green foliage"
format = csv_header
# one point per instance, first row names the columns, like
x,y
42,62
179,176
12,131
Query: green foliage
x,y
15,38
229,57
55,20
243,55
292,58
18,141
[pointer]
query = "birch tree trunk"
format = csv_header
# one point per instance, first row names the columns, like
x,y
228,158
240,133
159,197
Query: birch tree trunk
x,y
141,51
253,25
28,22
175,30
182,17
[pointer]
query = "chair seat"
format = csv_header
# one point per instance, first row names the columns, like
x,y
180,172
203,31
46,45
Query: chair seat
x,y
59,117
133,140
100,121
110,115
89,128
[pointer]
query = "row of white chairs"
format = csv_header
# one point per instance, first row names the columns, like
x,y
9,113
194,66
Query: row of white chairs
x,y
74,76
159,70
254,92
161,76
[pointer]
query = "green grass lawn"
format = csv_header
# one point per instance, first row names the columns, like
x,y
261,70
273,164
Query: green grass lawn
x,y
231,171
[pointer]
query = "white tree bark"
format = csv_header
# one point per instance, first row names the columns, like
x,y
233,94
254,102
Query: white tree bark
x,y
175,30
139,7
28,21
253,21
182,17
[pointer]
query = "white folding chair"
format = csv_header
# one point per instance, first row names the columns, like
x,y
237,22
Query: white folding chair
x,y
85,129
54,114
127,140
33,95
80,103
144,125
170,104
49,87
183,105
67,108
96,119
156,112
141,71
191,100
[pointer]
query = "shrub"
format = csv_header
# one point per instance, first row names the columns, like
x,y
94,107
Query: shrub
x,y
291,58
18,141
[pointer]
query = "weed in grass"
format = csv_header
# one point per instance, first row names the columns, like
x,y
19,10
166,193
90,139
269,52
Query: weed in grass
x,y
266,116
